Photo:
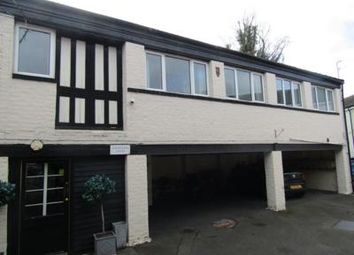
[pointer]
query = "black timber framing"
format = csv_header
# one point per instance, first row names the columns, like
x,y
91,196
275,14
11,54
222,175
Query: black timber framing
x,y
51,150
83,23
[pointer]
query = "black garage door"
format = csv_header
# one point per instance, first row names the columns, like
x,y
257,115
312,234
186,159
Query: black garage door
x,y
85,218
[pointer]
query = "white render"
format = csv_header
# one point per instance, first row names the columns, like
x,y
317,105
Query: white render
x,y
4,170
137,206
273,165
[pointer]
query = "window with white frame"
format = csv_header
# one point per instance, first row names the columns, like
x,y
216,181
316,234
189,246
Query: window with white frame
x,y
289,93
34,51
175,74
322,99
244,85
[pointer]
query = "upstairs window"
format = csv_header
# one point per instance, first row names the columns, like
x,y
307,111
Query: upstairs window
x,y
244,85
289,93
34,51
323,99
174,74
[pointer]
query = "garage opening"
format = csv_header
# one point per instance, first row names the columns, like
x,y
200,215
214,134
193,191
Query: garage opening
x,y
185,190
318,168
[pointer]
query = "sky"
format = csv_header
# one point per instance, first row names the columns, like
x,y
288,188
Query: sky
x,y
321,33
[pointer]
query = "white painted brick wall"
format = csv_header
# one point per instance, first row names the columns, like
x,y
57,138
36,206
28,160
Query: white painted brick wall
x,y
273,165
217,83
270,88
4,171
27,111
137,199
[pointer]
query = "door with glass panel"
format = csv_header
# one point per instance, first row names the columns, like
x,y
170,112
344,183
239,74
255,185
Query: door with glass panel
x,y
44,203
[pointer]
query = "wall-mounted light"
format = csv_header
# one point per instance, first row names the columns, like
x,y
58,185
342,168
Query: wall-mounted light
x,y
36,145
217,71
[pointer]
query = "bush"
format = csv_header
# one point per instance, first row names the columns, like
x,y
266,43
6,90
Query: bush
x,y
95,189
7,192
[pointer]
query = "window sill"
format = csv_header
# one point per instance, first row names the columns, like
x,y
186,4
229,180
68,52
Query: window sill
x,y
33,78
225,100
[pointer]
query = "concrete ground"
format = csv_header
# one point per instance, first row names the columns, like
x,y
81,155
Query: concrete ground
x,y
307,227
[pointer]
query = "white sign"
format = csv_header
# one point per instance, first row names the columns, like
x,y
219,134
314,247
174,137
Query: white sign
x,y
118,149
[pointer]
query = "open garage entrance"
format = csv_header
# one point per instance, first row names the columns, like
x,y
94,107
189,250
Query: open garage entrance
x,y
187,190
318,167
190,190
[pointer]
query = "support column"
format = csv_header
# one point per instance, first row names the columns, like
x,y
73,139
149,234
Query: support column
x,y
137,212
344,179
4,172
273,165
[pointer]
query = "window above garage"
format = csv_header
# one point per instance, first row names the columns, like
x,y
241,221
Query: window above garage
x,y
176,74
244,85
323,99
34,51
289,93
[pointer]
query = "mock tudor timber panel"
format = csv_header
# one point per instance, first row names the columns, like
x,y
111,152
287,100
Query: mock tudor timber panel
x,y
85,217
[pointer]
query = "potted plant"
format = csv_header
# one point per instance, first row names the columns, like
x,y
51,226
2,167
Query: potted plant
x,y
7,192
95,190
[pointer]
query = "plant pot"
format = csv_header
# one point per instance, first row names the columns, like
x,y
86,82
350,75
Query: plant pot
x,y
105,243
121,231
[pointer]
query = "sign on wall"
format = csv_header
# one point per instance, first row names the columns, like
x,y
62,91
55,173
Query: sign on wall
x,y
119,149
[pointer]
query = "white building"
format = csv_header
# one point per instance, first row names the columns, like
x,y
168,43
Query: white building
x,y
82,94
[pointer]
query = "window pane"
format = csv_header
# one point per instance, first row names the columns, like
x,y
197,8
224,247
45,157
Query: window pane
x,y
154,71
54,209
330,100
230,83
287,90
64,109
34,51
244,85
280,94
297,94
314,98
177,75
113,116
258,88
99,111
200,79
321,97
80,110
34,211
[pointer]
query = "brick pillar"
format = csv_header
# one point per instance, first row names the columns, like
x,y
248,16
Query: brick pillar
x,y
273,165
344,180
137,213
4,171
270,88
217,79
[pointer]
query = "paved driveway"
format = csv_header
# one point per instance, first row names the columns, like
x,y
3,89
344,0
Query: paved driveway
x,y
307,227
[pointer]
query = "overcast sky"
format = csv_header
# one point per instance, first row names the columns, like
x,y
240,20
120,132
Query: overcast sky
x,y
320,32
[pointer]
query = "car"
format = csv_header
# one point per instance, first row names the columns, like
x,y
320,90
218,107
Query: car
x,y
294,184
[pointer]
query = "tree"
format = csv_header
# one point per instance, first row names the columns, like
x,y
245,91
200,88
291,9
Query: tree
x,y
254,40
7,192
95,189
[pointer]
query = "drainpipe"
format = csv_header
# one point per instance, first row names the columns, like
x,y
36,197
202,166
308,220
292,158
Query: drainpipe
x,y
346,132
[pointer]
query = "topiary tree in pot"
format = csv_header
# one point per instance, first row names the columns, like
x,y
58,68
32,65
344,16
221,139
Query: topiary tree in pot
x,y
7,192
95,190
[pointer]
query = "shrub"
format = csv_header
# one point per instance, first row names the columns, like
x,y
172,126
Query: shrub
x,y
7,192
95,189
